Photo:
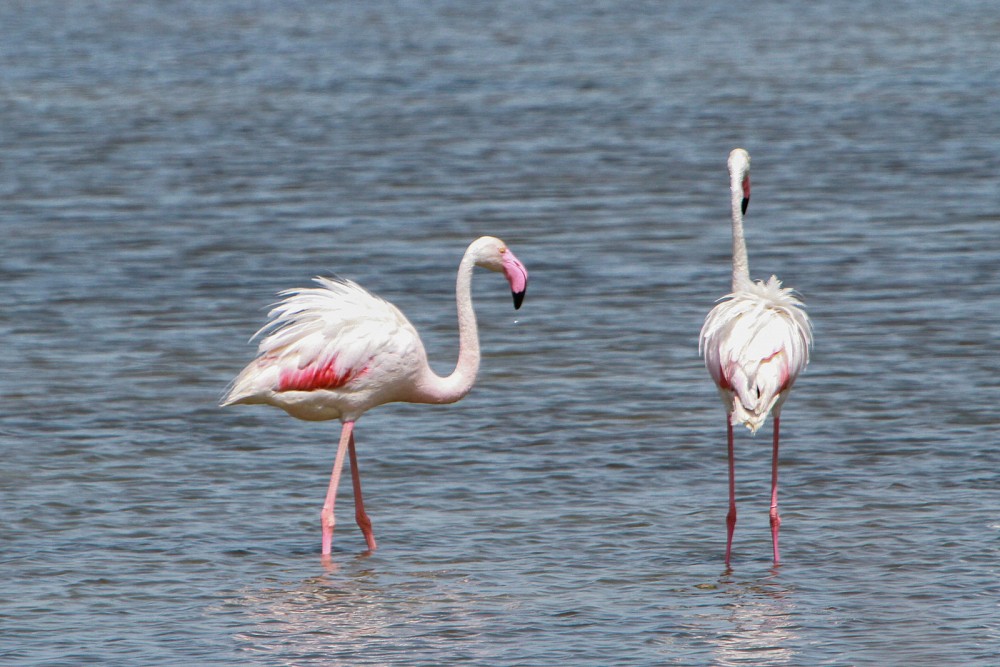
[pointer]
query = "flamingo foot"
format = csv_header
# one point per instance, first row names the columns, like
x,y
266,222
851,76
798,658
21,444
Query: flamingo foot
x,y
775,527
365,524
730,529
327,522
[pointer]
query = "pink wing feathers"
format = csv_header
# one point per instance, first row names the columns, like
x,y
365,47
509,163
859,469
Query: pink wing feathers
x,y
325,337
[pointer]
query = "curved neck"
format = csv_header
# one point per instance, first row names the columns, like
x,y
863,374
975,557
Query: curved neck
x,y
449,389
741,263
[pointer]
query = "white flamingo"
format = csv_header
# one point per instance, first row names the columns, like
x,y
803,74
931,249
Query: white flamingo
x,y
755,342
337,350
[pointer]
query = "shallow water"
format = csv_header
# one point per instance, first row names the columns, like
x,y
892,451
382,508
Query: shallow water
x,y
165,169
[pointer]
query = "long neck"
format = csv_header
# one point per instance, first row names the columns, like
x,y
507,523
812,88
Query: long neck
x,y
436,389
741,264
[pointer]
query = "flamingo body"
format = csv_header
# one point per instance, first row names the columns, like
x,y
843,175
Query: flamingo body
x,y
755,343
336,350
332,352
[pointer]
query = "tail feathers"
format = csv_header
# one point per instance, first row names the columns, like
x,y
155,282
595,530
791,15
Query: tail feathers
x,y
753,399
257,379
752,418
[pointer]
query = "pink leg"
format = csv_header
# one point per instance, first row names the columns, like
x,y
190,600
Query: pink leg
x,y
359,504
731,516
775,519
326,516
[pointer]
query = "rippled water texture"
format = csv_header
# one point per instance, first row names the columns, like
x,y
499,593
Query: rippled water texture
x,y
166,168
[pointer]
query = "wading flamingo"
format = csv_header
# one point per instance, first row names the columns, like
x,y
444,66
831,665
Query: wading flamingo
x,y
337,350
755,342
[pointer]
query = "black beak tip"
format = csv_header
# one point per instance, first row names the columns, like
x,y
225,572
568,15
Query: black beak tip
x,y
518,299
744,204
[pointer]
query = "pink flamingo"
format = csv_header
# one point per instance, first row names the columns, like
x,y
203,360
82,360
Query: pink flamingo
x,y
755,342
337,350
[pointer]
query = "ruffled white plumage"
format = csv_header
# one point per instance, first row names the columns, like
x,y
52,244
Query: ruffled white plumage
x,y
755,343
339,322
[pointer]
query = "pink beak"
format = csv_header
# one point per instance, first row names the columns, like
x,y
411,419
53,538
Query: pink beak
x,y
516,275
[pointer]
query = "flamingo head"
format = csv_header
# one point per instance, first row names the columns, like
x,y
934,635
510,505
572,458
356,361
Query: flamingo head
x,y
739,173
493,254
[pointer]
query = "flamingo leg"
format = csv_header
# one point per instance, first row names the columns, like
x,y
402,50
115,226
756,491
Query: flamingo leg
x,y
775,519
359,504
731,516
326,516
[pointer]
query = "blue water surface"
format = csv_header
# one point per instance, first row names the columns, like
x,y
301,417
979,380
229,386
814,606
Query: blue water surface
x,y
166,168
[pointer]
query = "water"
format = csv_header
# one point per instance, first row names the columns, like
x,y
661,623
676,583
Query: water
x,y
165,168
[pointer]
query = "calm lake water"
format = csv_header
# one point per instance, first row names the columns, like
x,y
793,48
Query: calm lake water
x,y
166,168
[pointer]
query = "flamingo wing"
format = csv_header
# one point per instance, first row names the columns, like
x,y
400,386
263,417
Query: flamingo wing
x,y
328,338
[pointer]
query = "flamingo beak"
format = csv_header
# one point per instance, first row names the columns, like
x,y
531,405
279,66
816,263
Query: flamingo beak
x,y
516,275
746,194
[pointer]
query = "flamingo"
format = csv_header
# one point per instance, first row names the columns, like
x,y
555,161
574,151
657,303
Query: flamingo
x,y
755,343
335,351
